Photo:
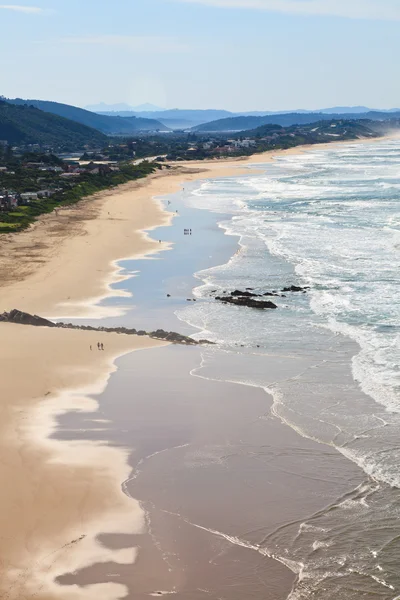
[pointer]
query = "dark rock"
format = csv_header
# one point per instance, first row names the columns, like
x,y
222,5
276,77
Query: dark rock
x,y
243,294
249,302
168,295
294,288
250,289
160,333
18,316
271,294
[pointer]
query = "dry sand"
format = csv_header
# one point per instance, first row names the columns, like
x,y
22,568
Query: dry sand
x,y
57,496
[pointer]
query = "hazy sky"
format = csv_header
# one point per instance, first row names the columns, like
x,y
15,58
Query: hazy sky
x,y
234,54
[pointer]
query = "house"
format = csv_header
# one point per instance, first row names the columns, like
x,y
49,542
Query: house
x,y
69,175
45,193
4,203
52,169
27,196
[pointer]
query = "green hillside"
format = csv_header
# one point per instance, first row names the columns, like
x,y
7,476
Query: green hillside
x,y
286,120
322,131
29,125
104,123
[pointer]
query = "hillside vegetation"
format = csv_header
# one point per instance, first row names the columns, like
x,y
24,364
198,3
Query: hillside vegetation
x,y
287,120
314,133
29,125
64,192
104,123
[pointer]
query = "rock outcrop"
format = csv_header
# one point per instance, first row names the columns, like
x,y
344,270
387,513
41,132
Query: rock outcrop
x,y
245,301
295,288
23,318
239,293
17,316
249,297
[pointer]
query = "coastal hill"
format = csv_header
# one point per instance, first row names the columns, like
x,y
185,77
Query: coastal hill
x,y
29,125
245,123
316,133
110,125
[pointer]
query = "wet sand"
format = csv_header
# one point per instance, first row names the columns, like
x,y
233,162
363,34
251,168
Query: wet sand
x,y
216,475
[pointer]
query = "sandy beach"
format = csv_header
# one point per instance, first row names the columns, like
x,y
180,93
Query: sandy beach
x,y
77,249
58,496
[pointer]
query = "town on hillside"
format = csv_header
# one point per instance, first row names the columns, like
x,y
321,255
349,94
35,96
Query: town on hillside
x,y
36,178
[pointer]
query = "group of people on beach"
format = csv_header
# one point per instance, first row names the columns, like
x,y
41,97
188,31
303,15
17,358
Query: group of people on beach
x,y
100,346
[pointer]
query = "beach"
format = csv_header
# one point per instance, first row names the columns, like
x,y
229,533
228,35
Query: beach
x,y
77,247
62,266
194,441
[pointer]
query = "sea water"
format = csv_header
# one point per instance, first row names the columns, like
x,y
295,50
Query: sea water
x,y
327,220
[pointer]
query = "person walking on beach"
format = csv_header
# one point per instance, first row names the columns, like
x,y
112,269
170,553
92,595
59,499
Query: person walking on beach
x,y
102,346
90,347
98,345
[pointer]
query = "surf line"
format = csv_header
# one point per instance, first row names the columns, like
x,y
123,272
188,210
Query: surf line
x,y
296,568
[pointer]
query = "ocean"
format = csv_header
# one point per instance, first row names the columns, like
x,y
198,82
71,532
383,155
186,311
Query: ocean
x,y
327,220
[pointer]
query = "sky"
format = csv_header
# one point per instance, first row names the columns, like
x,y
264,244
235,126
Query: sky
x,y
233,54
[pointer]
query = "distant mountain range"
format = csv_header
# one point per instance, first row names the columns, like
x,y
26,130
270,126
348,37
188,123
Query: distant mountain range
x,y
53,123
177,118
110,125
29,125
244,123
190,118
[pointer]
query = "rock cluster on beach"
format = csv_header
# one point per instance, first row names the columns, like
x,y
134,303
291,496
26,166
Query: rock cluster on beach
x,y
23,318
249,298
246,301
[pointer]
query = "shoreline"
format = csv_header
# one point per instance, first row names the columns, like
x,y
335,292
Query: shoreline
x,y
104,229
95,234
72,271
